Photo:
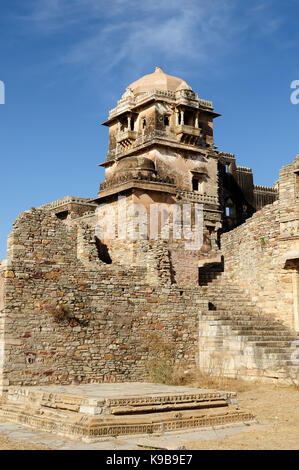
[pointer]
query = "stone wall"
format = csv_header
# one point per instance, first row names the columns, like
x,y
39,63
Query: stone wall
x,y
184,264
2,286
289,200
254,259
71,318
2,317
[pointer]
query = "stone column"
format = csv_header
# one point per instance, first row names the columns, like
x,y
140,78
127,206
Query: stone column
x,y
182,116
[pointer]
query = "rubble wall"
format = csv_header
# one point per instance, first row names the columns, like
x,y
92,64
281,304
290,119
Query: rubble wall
x,y
2,287
70,318
2,320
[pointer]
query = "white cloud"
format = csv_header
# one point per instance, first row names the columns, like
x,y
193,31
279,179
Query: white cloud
x,y
135,34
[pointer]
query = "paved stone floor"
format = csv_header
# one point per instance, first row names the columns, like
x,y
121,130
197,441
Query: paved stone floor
x,y
112,390
24,435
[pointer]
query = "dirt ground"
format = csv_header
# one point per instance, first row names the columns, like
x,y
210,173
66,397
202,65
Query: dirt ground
x,y
8,444
275,406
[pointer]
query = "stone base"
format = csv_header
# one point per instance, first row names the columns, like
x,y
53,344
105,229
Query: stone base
x,y
101,410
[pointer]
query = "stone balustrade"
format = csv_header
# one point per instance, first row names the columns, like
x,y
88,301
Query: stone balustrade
x,y
197,197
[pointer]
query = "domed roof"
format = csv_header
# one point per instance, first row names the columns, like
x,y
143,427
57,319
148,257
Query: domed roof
x,y
135,163
158,80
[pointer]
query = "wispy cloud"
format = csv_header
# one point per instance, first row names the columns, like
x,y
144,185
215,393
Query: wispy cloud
x,y
134,34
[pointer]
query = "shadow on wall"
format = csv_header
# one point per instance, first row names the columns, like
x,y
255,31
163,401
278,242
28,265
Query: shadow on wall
x,y
103,252
209,272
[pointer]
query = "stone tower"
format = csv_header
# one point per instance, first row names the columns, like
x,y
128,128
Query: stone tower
x,y
161,150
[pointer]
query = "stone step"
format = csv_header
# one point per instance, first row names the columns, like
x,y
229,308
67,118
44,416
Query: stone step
x,y
100,410
94,427
248,325
276,350
237,319
255,339
289,339
227,307
266,335
292,365
237,315
110,396
273,343
257,328
243,322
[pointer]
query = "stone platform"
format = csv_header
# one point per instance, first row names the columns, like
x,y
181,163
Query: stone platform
x,y
101,410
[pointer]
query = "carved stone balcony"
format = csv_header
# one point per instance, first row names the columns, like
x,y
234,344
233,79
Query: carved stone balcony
x,y
188,134
126,139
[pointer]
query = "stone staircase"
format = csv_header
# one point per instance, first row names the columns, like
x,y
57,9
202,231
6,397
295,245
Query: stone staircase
x,y
238,340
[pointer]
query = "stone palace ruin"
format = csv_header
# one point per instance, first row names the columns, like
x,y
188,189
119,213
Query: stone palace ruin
x,y
80,308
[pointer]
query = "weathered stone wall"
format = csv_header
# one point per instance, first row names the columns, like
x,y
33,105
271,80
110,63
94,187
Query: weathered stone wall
x,y
184,264
138,248
254,259
2,318
2,286
289,200
108,312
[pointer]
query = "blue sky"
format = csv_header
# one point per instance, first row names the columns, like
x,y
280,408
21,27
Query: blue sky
x,y
65,63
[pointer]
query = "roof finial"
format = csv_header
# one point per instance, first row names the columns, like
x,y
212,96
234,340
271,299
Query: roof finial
x,y
158,69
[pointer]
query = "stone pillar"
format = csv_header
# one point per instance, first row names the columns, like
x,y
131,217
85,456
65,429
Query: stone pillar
x,y
182,116
196,120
